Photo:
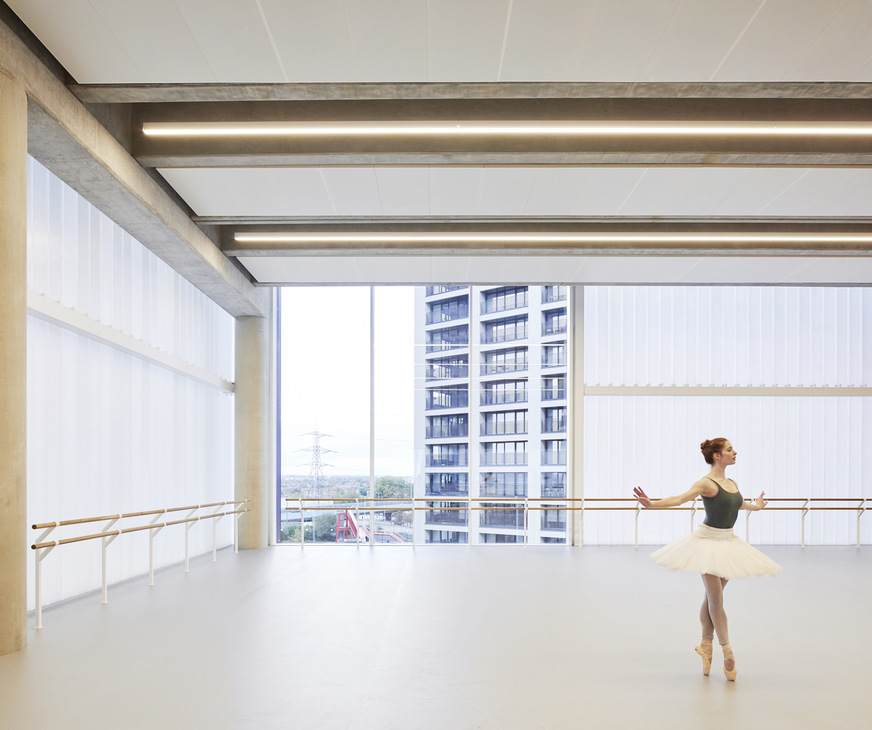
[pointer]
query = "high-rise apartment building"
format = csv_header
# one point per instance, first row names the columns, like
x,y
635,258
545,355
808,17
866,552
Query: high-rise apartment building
x,y
491,416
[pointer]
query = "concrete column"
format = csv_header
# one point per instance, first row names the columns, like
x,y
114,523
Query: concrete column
x,y
252,429
13,366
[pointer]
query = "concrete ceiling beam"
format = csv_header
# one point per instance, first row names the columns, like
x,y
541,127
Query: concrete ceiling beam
x,y
70,142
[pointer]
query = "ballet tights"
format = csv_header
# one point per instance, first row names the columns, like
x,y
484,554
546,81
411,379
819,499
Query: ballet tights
x,y
712,615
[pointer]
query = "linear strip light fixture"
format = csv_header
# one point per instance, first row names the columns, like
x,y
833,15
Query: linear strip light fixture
x,y
504,128
321,238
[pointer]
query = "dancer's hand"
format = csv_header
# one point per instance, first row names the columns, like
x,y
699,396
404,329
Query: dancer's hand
x,y
642,497
759,503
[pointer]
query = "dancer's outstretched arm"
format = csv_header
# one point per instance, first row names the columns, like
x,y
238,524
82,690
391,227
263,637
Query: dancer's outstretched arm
x,y
700,488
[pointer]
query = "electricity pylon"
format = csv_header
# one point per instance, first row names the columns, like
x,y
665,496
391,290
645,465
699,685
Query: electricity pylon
x,y
316,470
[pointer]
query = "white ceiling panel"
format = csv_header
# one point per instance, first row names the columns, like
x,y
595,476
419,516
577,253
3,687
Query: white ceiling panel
x,y
388,39
836,270
156,37
233,39
465,39
606,190
659,191
311,38
80,39
107,41
204,190
556,190
778,36
455,190
758,189
353,190
622,38
531,191
544,38
842,49
697,39
271,191
505,190
404,190
741,270
395,269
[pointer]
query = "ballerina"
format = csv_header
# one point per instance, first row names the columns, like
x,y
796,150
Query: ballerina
x,y
713,550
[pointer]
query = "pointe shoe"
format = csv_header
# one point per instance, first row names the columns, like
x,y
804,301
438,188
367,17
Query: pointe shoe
x,y
705,651
728,657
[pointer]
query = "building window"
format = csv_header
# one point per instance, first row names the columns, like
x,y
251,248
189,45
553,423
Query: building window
x,y
452,485
450,338
554,484
554,294
554,420
446,310
442,427
453,397
488,538
503,484
554,452
499,300
447,455
554,322
501,422
497,515
447,537
505,330
554,519
504,361
434,290
446,513
448,368
504,453
554,388
504,391
554,355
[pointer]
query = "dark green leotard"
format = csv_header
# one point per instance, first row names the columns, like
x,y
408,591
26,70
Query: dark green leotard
x,y
722,510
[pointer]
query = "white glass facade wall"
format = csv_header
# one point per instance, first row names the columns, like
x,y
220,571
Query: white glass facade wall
x,y
110,430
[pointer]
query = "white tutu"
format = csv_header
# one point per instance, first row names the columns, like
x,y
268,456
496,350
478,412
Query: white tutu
x,y
717,552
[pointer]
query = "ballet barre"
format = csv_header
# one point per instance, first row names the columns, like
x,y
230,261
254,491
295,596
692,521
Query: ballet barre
x,y
43,547
805,505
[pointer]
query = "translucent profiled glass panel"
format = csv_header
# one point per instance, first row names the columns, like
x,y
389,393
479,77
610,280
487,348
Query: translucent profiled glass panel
x,y
109,431
789,447
715,336
325,385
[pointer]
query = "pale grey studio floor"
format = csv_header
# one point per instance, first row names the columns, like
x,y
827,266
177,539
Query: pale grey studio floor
x,y
449,637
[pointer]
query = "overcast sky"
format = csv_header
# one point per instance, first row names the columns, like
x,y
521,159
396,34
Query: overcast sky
x,y
325,379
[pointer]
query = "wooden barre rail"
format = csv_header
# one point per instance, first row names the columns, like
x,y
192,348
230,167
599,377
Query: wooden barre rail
x,y
126,515
43,548
153,526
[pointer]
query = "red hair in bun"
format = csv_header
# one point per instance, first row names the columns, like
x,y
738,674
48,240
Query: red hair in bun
x,y
710,448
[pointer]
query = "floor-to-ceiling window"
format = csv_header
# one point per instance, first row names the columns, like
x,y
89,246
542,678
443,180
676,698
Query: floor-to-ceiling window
x,y
462,397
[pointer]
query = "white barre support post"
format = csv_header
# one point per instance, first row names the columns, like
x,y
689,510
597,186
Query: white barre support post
x,y
805,510
188,526
747,525
151,535
215,535
236,532
860,510
303,526
526,512
636,536
106,542
38,557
